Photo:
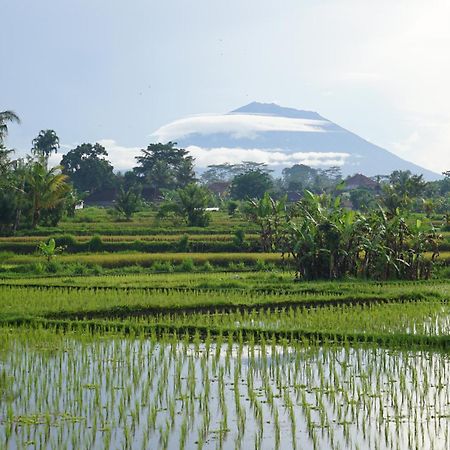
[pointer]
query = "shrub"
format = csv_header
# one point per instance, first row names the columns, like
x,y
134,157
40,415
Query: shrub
x,y
207,267
38,268
261,265
162,266
183,244
239,238
238,266
79,269
95,244
232,207
53,267
66,240
186,266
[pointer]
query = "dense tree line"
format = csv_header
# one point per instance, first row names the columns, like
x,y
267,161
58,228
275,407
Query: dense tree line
x,y
32,193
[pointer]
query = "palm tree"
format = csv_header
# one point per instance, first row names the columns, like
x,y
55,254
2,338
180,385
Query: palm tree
x,y
5,117
46,143
47,189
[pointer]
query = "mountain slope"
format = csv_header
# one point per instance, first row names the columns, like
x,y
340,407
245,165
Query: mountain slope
x,y
281,137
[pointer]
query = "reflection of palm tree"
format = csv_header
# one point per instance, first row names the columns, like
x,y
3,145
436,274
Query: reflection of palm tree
x,y
5,117
48,189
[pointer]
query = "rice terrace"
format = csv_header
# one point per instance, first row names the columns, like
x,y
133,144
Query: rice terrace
x,y
258,277
116,348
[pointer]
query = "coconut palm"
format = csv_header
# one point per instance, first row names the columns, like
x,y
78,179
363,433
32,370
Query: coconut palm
x,y
47,188
5,118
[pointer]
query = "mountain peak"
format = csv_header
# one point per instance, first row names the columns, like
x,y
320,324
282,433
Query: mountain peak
x,y
272,109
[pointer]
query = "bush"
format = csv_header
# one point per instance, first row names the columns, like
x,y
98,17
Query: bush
x,y
95,244
183,244
239,238
232,207
186,266
4,256
38,268
97,269
66,240
261,265
79,269
207,267
237,266
162,266
53,266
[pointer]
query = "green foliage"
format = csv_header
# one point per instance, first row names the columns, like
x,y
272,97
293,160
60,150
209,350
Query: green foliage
x,y
47,189
128,202
189,204
88,168
362,199
252,184
95,244
239,238
326,241
268,214
183,244
8,209
46,143
163,166
5,118
49,250
232,207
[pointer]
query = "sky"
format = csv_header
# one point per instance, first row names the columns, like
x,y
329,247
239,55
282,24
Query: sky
x,y
115,72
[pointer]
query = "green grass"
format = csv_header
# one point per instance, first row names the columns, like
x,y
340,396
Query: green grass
x,y
147,259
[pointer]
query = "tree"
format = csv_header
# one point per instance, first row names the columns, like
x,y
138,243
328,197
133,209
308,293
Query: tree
x,y
47,189
46,143
226,172
127,202
5,118
252,184
361,198
8,209
392,200
268,214
407,185
88,168
164,166
299,177
326,241
190,204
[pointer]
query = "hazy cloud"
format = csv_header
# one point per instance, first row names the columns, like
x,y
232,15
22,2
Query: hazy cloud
x,y
238,125
273,157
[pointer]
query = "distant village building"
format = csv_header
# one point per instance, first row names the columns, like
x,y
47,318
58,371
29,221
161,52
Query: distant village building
x,y
359,181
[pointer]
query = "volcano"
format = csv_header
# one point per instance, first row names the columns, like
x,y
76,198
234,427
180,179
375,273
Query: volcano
x,y
281,137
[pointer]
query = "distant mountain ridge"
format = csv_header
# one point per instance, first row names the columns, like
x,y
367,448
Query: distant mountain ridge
x,y
272,109
282,137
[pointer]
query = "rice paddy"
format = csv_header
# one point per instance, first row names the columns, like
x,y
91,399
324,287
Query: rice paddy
x,y
223,360
71,391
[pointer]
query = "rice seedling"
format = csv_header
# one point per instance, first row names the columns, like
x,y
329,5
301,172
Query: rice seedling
x,y
150,390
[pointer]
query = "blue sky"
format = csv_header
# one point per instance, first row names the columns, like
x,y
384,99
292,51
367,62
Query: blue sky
x,y
116,71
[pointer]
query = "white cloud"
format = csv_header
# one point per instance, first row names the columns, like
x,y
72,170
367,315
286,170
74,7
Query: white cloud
x,y
238,125
123,158
273,157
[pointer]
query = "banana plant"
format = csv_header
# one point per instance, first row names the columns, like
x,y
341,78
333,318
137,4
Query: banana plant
x,y
49,249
